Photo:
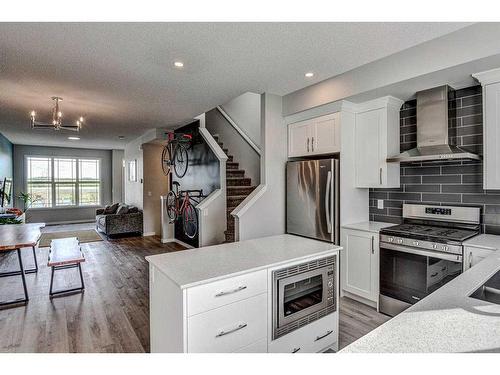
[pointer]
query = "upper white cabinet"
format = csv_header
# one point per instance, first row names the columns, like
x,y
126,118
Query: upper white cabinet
x,y
317,136
376,138
490,80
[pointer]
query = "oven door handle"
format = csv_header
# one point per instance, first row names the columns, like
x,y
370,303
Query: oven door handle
x,y
412,250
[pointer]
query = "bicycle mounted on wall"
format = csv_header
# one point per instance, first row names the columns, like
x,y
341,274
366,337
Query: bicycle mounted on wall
x,y
180,206
175,154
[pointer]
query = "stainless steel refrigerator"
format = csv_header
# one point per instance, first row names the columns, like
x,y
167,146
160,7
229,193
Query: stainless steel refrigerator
x,y
312,199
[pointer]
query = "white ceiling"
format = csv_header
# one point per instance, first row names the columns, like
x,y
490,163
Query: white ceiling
x,y
120,76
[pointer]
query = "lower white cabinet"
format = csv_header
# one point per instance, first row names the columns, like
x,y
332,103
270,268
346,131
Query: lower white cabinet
x,y
474,255
313,338
359,263
228,328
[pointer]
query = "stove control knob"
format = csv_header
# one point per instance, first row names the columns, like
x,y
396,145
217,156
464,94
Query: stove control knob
x,y
391,239
444,248
434,246
415,243
400,240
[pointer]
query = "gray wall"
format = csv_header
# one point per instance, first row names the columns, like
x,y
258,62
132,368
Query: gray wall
x,y
118,175
57,215
242,152
443,182
245,112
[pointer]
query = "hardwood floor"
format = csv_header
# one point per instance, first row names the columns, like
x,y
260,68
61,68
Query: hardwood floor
x,y
111,316
356,320
113,313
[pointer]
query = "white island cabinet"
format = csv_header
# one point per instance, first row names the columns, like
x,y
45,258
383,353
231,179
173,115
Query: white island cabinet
x,y
220,298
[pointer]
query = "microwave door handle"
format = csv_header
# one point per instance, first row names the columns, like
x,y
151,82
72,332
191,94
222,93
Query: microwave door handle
x,y
327,205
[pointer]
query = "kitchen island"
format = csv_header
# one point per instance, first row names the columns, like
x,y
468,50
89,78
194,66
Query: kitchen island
x,y
219,298
448,320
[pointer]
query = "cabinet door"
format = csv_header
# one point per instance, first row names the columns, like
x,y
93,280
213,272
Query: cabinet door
x,y
474,255
368,143
298,139
491,136
359,264
325,135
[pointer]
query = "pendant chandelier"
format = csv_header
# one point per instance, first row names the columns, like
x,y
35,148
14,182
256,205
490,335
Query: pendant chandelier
x,y
56,122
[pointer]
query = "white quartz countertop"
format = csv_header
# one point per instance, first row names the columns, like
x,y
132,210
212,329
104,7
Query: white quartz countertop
x,y
368,226
445,321
487,241
188,268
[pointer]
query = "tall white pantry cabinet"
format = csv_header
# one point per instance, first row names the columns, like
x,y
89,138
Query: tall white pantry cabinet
x,y
490,80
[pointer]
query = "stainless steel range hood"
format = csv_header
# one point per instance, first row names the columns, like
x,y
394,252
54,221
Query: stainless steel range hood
x,y
435,138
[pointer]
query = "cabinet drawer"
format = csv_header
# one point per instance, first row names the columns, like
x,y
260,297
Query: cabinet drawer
x,y
256,347
219,293
311,338
228,328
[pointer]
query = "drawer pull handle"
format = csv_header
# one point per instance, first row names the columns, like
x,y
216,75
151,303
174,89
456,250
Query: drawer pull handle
x,y
295,350
224,333
239,289
322,337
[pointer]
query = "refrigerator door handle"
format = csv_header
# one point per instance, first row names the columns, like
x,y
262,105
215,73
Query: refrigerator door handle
x,y
327,206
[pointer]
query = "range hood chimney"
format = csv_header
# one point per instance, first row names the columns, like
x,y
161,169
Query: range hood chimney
x,y
435,138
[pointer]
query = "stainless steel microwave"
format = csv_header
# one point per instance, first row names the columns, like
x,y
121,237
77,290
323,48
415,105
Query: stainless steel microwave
x,y
302,294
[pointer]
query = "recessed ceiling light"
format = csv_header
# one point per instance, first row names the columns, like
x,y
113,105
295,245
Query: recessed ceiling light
x,y
74,138
309,74
179,64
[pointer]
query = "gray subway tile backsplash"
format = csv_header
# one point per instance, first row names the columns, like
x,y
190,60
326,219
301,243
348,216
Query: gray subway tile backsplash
x,y
443,182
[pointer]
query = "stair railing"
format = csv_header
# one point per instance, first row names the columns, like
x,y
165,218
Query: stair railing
x,y
240,131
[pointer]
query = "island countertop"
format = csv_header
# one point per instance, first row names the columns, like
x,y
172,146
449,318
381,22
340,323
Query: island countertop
x,y
445,321
188,268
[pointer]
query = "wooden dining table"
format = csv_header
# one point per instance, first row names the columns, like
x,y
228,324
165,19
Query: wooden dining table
x,y
14,237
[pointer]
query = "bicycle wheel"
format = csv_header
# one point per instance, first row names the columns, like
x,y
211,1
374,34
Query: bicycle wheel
x,y
166,160
180,160
172,206
190,221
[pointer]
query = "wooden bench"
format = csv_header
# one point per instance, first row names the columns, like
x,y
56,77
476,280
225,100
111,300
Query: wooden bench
x,y
65,253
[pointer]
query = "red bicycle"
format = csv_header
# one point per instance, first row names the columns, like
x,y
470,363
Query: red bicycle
x,y
175,154
180,206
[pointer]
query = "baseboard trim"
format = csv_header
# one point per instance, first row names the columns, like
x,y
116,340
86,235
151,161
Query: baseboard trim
x,y
168,240
68,222
148,234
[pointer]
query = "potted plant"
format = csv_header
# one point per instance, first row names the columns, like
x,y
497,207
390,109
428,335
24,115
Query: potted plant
x,y
28,200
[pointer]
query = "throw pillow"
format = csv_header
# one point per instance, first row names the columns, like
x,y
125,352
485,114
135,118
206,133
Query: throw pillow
x,y
109,210
133,210
122,209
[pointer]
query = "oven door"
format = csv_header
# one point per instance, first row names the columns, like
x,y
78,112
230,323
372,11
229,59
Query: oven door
x,y
409,274
301,295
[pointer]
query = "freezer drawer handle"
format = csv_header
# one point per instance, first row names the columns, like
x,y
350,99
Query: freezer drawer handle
x,y
295,350
322,337
238,289
224,333
327,207
415,298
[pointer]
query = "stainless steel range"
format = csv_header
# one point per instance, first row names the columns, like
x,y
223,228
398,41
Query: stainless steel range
x,y
422,254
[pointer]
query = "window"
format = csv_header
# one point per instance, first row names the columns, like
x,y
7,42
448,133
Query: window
x,y
63,182
90,185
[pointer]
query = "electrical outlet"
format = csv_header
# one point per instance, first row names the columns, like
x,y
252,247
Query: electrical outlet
x,y
380,204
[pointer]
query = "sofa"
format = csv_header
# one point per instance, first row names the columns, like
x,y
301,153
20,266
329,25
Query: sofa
x,y
119,218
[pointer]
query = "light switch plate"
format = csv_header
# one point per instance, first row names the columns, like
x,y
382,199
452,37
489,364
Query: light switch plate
x,y
380,204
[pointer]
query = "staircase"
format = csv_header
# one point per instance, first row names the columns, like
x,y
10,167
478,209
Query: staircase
x,y
238,187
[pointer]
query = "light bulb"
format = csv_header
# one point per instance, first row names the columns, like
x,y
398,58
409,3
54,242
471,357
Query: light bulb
x,y
33,113
59,114
54,122
81,119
